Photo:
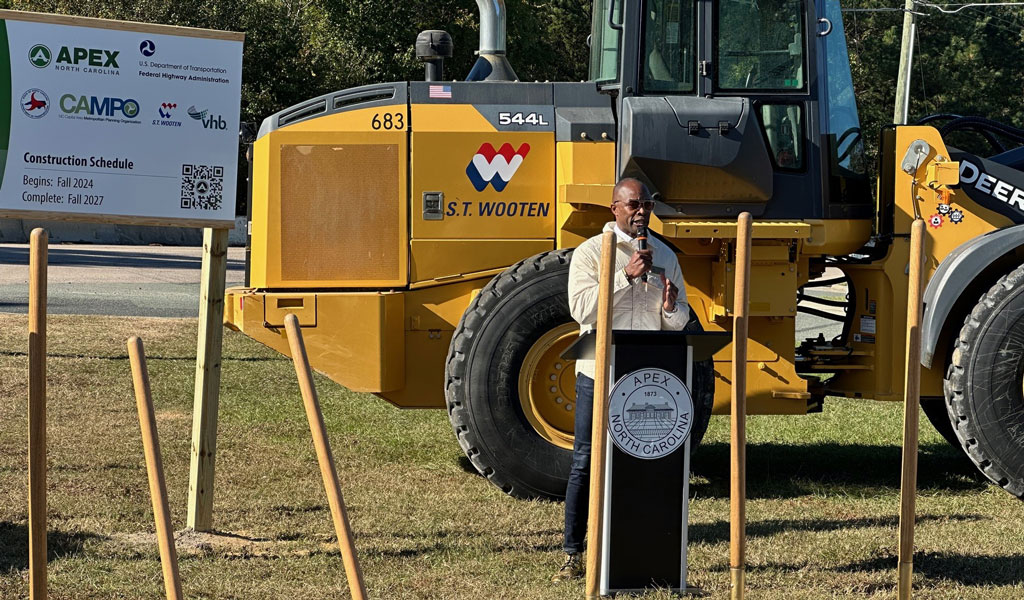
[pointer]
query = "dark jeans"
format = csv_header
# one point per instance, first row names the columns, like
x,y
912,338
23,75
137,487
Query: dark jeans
x,y
577,491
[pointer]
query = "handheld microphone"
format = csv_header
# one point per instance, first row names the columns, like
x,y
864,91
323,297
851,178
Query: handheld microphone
x,y
641,238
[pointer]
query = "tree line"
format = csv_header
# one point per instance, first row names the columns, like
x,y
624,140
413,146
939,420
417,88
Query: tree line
x,y
967,63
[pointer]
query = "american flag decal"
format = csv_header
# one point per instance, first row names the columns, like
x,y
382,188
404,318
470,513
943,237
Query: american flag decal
x,y
440,91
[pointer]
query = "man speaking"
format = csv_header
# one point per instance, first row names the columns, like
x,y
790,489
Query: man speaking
x,y
648,294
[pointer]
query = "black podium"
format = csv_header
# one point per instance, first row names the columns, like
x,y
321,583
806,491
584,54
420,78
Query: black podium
x,y
647,464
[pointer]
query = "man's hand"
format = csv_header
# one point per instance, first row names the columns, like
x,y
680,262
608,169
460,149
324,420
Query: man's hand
x,y
670,294
639,264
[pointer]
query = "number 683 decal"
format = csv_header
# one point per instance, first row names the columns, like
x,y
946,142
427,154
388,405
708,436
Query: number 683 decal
x,y
388,121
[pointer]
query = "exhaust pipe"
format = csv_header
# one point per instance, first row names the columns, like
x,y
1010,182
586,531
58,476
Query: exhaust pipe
x,y
491,64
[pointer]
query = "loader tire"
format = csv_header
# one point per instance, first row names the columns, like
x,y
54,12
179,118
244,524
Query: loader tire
x,y
984,384
510,398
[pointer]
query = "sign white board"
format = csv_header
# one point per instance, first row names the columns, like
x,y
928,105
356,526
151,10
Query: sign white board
x,y
118,122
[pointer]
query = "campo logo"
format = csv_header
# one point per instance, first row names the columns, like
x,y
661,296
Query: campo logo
x,y
39,55
208,121
495,167
35,103
95,106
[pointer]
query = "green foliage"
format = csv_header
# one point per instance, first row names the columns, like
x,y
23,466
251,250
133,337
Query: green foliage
x,y
297,49
967,63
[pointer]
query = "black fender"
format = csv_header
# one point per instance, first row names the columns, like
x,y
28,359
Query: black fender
x,y
959,272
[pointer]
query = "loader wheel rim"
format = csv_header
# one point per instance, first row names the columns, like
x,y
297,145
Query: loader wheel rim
x,y
547,386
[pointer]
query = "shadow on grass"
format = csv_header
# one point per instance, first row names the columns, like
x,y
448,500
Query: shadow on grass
x,y
965,569
718,532
124,357
59,544
776,470
449,541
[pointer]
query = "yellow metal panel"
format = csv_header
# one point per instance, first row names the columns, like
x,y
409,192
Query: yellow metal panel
x,y
836,237
445,118
344,194
356,120
585,176
586,164
262,160
432,259
524,208
358,340
342,209
773,288
773,386
303,306
425,353
673,228
440,308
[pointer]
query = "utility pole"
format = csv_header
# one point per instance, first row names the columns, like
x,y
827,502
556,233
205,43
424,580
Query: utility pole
x,y
906,62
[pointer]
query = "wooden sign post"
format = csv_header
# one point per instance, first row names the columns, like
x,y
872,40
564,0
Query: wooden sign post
x,y
37,415
738,430
207,389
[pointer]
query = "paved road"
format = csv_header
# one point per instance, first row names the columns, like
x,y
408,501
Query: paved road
x,y
150,281
163,281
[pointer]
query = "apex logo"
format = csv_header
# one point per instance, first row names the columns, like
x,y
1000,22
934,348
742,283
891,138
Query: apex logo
x,y
39,55
94,57
495,167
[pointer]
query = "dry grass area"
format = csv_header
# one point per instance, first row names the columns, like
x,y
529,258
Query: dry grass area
x,y
824,492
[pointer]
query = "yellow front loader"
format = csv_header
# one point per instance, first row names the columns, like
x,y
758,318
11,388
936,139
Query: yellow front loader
x,y
421,231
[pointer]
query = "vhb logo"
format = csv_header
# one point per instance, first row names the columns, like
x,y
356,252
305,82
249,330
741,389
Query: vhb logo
x,y
495,167
209,122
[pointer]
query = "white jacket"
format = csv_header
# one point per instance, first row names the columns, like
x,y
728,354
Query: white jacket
x,y
632,307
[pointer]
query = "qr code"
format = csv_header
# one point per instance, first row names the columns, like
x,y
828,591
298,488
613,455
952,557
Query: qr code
x,y
202,187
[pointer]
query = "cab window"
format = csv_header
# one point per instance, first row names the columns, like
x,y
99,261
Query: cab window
x,y
760,45
669,46
604,43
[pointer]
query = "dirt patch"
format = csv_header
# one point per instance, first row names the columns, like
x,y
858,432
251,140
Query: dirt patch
x,y
231,545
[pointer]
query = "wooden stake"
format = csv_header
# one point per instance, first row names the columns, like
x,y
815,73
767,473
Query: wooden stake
x,y
911,413
155,469
207,388
738,430
325,458
37,414
600,422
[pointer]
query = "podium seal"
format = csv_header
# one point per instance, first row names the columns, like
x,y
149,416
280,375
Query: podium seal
x,y
650,413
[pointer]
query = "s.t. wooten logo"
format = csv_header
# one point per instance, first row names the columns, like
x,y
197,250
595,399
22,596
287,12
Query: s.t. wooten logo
x,y
495,167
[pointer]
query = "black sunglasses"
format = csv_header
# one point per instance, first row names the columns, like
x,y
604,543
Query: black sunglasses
x,y
635,204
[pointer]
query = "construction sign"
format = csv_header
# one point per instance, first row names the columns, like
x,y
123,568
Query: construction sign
x,y
118,122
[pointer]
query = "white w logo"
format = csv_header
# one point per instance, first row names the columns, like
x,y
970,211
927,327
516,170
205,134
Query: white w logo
x,y
504,168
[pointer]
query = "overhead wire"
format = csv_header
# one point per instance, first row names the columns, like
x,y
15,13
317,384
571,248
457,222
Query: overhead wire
x,y
961,7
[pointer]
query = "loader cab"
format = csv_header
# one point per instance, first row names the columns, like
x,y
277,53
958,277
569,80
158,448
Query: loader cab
x,y
733,105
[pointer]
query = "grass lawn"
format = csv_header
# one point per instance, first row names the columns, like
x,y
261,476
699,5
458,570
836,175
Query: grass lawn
x,y
822,513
